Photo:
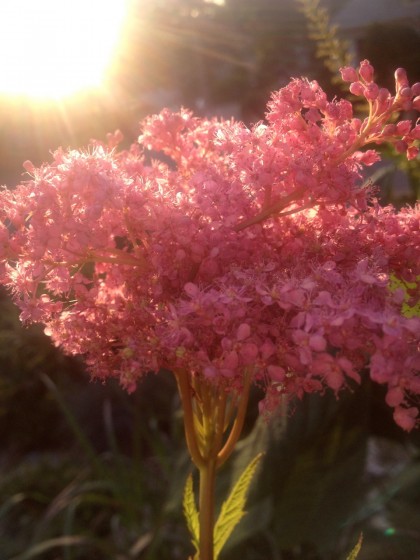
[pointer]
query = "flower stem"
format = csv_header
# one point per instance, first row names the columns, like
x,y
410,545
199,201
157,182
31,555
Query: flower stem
x,y
190,433
207,417
238,424
206,512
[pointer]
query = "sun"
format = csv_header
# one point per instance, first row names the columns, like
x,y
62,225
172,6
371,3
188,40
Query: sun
x,y
56,48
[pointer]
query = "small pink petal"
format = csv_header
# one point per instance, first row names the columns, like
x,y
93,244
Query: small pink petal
x,y
317,343
394,397
191,289
276,373
334,379
243,332
249,352
406,417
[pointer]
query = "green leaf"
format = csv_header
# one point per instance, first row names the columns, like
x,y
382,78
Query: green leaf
x,y
316,466
233,508
355,552
191,513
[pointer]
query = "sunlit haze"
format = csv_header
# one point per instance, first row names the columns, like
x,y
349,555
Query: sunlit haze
x,y
55,48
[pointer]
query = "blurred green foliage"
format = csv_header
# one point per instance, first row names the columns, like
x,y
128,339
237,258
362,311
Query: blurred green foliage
x,y
330,47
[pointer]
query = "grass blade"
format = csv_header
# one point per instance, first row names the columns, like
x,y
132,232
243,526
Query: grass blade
x,y
355,552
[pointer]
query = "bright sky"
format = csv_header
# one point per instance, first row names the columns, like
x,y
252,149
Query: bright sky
x,y
55,48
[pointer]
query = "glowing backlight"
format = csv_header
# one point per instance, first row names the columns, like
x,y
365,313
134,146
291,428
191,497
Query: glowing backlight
x,y
55,48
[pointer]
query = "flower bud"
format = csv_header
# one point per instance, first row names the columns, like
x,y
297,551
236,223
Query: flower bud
x,y
389,130
276,373
403,127
243,332
383,95
395,396
412,152
415,89
369,157
366,71
406,104
401,146
29,166
401,79
415,133
416,103
371,91
405,92
406,417
349,74
357,88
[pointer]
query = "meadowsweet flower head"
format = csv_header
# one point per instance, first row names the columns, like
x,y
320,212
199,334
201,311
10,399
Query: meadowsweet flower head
x,y
245,250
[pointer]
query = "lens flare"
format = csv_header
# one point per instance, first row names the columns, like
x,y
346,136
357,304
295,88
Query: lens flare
x,y
55,48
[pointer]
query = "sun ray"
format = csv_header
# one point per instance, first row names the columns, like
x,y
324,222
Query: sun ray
x,y
54,48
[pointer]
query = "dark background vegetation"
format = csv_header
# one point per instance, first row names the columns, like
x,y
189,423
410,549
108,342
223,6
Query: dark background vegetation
x,y
88,472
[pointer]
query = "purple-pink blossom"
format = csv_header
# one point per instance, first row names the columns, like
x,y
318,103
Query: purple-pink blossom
x,y
257,250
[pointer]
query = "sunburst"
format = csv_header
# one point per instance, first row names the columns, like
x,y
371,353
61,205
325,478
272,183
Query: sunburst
x,y
55,48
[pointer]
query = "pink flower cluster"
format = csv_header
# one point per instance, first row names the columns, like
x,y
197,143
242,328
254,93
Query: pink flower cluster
x,y
382,105
255,250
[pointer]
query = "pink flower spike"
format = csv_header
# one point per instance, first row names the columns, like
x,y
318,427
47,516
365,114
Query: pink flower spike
x,y
259,250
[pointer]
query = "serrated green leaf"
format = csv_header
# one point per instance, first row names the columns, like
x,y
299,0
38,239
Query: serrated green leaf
x,y
355,552
191,513
233,508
